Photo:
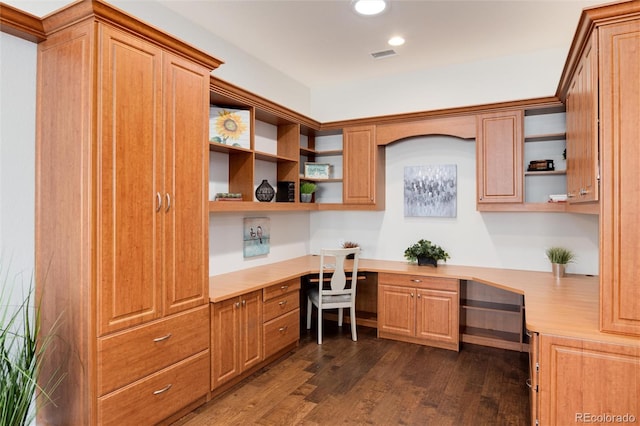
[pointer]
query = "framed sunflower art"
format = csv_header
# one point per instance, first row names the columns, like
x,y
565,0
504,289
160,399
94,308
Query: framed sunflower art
x,y
228,126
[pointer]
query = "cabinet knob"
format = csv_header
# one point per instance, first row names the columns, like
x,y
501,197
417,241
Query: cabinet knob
x,y
411,294
583,191
244,302
419,296
237,304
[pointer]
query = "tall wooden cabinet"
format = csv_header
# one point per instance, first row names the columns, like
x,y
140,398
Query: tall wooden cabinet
x,y
121,216
619,54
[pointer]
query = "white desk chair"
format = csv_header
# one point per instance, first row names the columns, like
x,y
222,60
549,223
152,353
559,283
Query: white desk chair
x,y
339,295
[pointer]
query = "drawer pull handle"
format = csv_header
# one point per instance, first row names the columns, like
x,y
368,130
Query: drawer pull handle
x,y
164,389
530,386
284,302
160,339
159,201
416,281
284,287
283,329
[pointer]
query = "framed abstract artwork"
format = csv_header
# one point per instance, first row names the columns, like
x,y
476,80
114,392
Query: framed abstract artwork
x,y
430,190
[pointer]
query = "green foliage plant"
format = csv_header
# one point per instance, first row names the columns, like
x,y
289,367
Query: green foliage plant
x,y
560,255
308,187
425,248
22,350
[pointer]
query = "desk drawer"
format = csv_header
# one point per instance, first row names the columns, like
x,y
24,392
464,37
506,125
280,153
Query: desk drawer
x,y
130,355
419,281
281,305
154,398
280,332
279,289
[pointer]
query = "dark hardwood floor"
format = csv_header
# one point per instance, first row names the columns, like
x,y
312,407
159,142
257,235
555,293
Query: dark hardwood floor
x,y
376,382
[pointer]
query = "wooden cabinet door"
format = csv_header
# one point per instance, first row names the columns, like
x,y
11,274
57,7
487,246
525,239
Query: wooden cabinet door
x,y
499,145
582,128
185,192
437,316
396,310
533,383
580,380
251,331
129,175
225,342
620,198
359,165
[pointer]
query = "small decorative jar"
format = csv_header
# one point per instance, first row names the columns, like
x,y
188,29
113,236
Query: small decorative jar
x,y
265,192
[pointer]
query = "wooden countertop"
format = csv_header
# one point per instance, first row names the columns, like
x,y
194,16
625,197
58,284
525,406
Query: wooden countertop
x,y
566,307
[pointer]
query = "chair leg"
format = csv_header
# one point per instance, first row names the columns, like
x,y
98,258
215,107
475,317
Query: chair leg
x,y
340,316
354,334
309,309
319,326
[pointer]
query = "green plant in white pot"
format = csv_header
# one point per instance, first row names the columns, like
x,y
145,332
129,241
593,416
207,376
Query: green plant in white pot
x,y
559,258
22,349
306,191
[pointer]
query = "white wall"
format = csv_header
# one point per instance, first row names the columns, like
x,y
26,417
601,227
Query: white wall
x,y
17,160
289,238
505,240
507,78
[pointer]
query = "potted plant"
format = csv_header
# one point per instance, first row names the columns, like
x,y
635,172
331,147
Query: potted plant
x,y
425,253
559,257
306,191
350,244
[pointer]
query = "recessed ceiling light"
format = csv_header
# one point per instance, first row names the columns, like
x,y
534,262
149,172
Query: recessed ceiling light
x,y
369,7
396,41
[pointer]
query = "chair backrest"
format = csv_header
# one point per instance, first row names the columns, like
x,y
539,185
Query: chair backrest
x,y
336,268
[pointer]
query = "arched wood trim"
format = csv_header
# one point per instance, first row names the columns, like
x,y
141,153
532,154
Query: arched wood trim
x,y
463,127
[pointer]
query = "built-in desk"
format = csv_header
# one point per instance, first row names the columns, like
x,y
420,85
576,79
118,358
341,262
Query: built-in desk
x,y
567,307
577,371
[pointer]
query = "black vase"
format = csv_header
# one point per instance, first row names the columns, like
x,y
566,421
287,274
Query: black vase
x,y
265,192
425,261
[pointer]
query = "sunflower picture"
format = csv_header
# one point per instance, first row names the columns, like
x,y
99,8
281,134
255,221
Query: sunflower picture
x,y
229,127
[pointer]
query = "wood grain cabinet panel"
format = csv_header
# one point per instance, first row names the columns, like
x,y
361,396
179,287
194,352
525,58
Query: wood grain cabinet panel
x,y
619,45
363,167
121,208
419,309
151,400
581,380
499,156
281,332
236,336
582,129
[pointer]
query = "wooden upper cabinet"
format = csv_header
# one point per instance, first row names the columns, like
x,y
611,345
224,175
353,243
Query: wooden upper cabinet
x,y
130,170
499,157
582,128
363,167
186,214
619,55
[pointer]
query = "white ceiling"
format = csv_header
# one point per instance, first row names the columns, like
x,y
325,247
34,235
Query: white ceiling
x,y
323,42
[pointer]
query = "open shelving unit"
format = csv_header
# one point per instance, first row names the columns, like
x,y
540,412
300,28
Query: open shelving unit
x,y
544,138
280,142
491,316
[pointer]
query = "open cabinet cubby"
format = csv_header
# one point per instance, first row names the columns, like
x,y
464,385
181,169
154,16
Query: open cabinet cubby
x,y
491,316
